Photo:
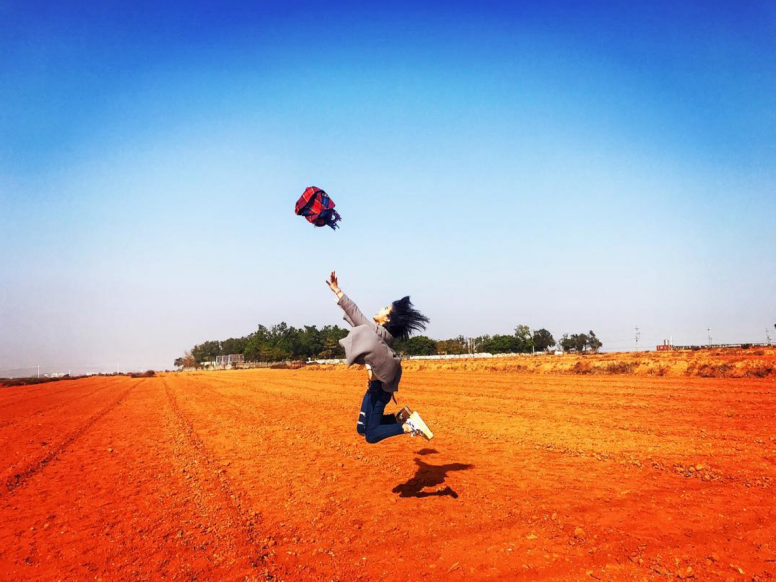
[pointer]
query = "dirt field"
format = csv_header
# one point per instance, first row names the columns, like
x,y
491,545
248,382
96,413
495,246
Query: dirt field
x,y
260,475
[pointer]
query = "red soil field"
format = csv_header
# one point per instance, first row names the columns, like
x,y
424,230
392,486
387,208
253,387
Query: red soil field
x,y
260,475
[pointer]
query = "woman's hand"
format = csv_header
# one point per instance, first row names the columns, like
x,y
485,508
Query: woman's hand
x,y
332,283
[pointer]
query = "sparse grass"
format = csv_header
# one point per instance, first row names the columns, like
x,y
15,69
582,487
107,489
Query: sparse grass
x,y
761,372
30,381
621,367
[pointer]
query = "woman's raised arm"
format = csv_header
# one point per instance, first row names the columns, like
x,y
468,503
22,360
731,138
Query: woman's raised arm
x,y
334,285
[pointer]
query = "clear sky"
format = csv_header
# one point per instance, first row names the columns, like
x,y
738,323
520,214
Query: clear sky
x,y
568,165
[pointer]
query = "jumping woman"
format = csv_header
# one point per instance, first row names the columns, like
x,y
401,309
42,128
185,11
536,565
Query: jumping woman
x,y
369,343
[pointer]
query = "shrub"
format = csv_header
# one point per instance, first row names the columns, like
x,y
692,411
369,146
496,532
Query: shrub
x,y
761,372
620,367
714,371
580,368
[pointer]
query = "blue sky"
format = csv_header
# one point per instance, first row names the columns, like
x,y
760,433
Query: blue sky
x,y
598,166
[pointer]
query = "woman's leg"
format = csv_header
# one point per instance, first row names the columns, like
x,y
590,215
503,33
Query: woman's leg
x,y
375,430
361,424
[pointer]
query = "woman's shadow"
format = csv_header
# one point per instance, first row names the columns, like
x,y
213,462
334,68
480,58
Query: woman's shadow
x,y
430,476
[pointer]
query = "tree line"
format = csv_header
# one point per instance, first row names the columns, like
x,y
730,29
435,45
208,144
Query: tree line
x,y
283,342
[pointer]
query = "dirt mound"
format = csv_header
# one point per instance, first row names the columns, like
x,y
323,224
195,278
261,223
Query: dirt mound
x,y
721,363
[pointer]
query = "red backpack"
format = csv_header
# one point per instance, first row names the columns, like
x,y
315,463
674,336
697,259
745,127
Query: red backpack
x,y
316,206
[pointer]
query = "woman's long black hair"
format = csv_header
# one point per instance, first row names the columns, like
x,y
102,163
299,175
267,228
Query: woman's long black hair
x,y
405,319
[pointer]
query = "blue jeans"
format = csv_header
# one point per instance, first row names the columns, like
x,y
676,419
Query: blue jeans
x,y
372,423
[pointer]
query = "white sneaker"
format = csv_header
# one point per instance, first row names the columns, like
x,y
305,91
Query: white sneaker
x,y
418,427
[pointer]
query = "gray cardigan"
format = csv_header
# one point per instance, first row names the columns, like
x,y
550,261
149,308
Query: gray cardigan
x,y
370,343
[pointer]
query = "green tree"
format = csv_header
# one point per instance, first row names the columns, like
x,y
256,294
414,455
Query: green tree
x,y
206,351
481,343
455,345
233,346
282,340
523,340
331,350
310,342
580,342
501,344
542,340
418,345
256,345
593,342
331,347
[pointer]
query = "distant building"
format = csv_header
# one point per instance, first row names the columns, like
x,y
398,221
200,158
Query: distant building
x,y
230,360
666,346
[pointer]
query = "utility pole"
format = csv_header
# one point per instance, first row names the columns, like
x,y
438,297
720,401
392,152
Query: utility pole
x,y
117,367
638,336
708,331
38,370
767,336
